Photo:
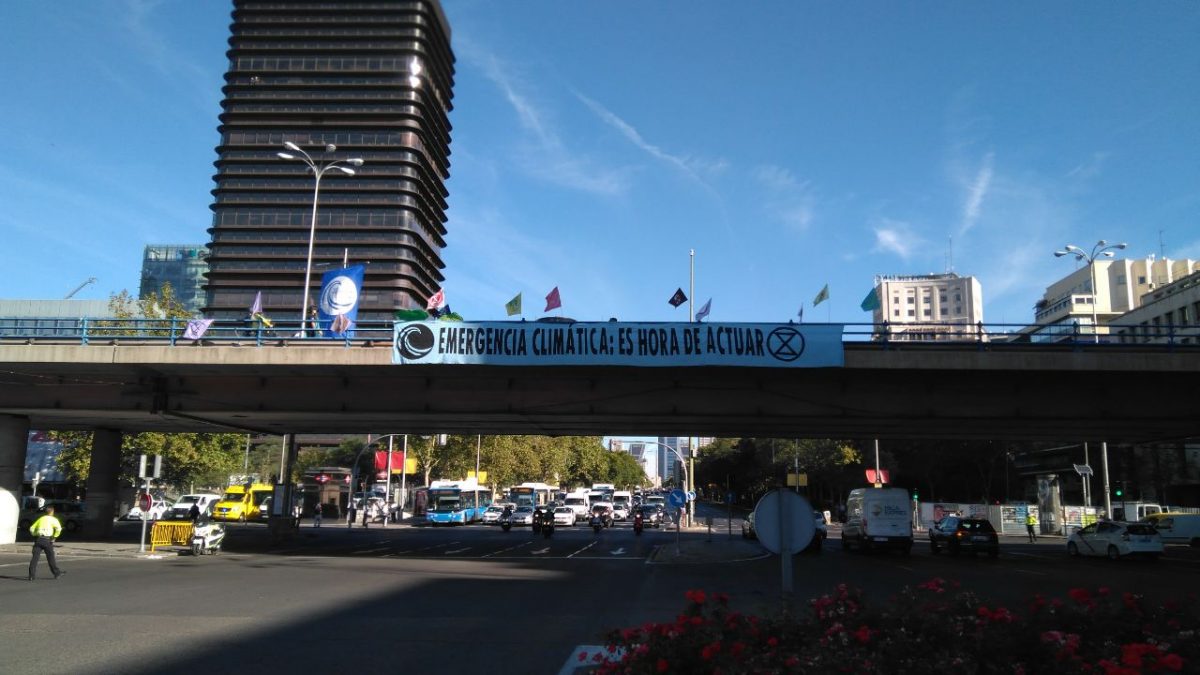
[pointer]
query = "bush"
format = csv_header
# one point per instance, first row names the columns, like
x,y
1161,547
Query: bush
x,y
932,628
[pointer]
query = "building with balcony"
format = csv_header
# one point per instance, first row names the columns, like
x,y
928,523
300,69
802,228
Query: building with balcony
x,y
1168,314
928,307
1067,306
375,79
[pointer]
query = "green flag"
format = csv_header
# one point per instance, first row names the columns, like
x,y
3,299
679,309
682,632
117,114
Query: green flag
x,y
822,296
871,302
513,306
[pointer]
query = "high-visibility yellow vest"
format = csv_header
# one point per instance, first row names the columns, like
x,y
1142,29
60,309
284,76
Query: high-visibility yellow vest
x,y
46,526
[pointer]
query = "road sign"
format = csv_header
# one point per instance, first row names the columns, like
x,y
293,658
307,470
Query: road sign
x,y
691,495
783,521
677,498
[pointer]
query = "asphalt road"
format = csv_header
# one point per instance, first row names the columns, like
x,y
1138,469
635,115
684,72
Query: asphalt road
x,y
468,599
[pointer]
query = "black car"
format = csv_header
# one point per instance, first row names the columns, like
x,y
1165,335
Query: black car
x,y
971,535
653,515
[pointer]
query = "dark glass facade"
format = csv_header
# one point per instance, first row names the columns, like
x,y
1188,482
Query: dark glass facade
x,y
320,72
182,266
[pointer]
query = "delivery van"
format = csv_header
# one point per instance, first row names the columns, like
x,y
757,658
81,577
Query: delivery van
x,y
242,502
1177,528
878,518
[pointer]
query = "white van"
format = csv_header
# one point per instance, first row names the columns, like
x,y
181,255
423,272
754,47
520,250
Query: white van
x,y
878,518
183,506
1177,528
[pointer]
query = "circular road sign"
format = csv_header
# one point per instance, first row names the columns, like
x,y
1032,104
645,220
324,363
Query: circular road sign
x,y
784,521
677,498
691,495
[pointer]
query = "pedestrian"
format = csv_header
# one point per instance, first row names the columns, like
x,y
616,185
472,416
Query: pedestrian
x,y
350,514
45,530
194,512
1030,521
317,515
366,513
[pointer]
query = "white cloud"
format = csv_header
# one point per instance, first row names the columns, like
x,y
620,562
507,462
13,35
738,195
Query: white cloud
x,y
894,236
977,189
789,199
547,158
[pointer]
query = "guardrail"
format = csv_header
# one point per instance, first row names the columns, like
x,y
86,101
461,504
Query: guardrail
x,y
173,332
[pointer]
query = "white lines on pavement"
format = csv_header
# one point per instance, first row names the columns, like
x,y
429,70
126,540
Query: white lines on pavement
x,y
583,549
418,550
456,551
504,550
371,550
541,551
619,551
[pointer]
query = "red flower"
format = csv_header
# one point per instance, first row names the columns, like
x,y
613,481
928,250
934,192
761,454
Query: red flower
x,y
773,641
710,651
698,597
1172,662
1132,654
792,662
863,634
662,666
1102,591
1079,595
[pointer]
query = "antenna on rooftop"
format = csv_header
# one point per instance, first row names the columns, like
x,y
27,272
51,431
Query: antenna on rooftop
x,y
1161,251
950,256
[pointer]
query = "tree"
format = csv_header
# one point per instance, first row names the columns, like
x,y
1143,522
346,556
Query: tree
x,y
624,471
188,458
151,314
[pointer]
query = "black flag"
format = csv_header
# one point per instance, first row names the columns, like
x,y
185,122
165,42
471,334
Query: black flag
x,y
678,299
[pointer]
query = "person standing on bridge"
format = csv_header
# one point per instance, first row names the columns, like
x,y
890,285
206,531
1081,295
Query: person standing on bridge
x,y
1030,521
45,530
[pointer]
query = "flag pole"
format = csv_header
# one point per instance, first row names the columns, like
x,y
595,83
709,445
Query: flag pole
x,y
691,441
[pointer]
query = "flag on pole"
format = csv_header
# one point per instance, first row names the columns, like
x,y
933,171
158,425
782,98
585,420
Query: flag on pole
x,y
678,299
436,300
553,300
871,302
196,329
700,315
801,313
513,306
822,296
256,306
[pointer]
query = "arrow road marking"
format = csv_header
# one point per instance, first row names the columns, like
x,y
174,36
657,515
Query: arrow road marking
x,y
545,550
620,551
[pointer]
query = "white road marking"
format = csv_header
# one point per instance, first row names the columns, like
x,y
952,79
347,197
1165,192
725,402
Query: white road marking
x,y
457,550
542,551
583,549
503,550
418,550
620,551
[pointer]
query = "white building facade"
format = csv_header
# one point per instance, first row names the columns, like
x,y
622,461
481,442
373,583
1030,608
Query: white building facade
x,y
928,307
1169,314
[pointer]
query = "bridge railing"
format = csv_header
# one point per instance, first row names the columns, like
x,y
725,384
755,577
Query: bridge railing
x,y
174,332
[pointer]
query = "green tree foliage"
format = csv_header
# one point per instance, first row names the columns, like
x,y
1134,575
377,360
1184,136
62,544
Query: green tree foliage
x,y
200,459
625,472
150,315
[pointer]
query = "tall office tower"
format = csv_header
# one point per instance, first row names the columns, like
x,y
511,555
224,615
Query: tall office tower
x,y
373,78
181,266
928,306
668,462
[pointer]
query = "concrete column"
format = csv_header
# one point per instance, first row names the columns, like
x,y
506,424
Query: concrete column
x,y
102,483
14,438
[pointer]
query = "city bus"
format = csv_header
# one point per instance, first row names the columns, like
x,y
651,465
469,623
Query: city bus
x,y
532,494
456,501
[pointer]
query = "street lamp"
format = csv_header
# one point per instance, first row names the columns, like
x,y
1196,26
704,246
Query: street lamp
x,y
1101,249
318,169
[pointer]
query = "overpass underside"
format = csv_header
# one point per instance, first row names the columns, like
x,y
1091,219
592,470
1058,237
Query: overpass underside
x,y
916,391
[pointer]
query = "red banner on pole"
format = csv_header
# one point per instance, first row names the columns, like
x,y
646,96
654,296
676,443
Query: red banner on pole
x,y
381,461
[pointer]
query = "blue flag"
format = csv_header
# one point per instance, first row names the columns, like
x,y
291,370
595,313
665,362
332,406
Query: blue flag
x,y
337,308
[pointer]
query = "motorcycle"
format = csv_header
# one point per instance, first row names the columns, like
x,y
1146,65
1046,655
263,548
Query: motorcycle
x,y
637,523
207,537
597,522
548,527
506,520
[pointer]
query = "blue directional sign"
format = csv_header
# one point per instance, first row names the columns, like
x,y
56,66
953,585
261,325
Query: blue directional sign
x,y
677,498
691,495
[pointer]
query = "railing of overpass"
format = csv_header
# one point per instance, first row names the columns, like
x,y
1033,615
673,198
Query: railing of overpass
x,y
109,331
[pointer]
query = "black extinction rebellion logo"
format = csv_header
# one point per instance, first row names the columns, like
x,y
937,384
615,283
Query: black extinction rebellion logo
x,y
414,341
785,344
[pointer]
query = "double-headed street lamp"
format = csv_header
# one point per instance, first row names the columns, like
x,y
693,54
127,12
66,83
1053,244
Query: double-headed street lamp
x,y
318,169
1102,249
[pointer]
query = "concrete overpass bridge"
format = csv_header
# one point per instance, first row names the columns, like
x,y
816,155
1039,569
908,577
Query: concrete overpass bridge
x,y
972,390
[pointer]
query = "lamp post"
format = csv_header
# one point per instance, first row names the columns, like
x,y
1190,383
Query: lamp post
x,y
318,168
1102,249
683,465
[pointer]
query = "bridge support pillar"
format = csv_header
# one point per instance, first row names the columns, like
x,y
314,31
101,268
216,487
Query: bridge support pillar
x,y
282,524
102,483
14,437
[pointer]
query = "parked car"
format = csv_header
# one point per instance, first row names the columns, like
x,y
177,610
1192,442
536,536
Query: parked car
x,y
182,508
957,534
70,514
491,515
564,515
157,510
523,515
1116,540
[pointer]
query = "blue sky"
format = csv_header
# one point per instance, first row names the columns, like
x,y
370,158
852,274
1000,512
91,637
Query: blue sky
x,y
791,144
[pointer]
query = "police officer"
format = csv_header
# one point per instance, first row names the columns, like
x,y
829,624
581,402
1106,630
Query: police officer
x,y
1030,522
45,530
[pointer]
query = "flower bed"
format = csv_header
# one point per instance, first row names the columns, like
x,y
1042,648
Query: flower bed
x,y
932,628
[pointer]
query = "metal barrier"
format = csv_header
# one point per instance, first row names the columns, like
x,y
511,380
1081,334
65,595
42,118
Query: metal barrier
x,y
176,533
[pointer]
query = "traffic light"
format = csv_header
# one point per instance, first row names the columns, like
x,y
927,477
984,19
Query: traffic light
x,y
916,497
1120,492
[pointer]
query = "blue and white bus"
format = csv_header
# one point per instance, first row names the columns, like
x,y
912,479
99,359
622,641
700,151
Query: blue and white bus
x,y
532,494
456,502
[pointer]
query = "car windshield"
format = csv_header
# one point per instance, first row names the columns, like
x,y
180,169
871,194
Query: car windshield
x,y
232,497
185,500
563,509
976,526
524,509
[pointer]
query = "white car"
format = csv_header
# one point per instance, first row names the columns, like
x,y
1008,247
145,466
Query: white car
x,y
564,515
491,515
158,508
1116,540
182,508
620,511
